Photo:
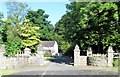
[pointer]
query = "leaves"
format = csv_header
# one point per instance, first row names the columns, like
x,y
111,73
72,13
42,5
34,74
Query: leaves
x,y
16,12
29,35
95,23
13,43
39,19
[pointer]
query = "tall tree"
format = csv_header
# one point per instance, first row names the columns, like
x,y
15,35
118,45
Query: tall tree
x,y
90,24
39,18
29,35
16,12
1,24
13,43
103,25
16,15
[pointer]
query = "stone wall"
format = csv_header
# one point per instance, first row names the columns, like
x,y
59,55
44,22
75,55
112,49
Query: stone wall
x,y
21,60
97,60
13,62
18,62
93,59
33,60
83,60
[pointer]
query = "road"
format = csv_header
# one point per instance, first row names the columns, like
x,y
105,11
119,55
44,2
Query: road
x,y
62,66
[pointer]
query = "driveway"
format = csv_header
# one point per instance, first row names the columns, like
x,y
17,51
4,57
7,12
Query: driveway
x,y
63,66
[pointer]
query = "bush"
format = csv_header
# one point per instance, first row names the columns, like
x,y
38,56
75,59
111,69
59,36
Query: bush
x,y
47,54
115,62
13,46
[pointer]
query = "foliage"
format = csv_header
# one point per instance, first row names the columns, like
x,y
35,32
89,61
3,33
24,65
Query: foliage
x,y
13,46
94,24
16,12
47,54
4,30
1,24
65,46
49,58
90,24
16,15
7,71
39,18
13,43
29,35
115,62
62,45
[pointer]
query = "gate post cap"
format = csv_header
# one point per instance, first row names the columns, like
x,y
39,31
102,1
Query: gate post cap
x,y
110,49
76,48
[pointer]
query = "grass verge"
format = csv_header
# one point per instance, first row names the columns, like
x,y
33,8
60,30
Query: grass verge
x,y
115,68
48,58
7,72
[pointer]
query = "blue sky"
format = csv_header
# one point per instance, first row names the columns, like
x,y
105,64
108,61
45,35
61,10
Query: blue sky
x,y
54,9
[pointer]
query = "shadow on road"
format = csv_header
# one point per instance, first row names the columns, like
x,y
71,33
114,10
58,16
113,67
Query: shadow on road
x,y
62,60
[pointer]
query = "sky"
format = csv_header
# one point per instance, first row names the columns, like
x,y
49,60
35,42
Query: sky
x,y
55,9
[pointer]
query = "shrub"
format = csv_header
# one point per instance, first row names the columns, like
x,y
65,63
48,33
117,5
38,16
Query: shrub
x,y
47,54
13,43
13,46
115,62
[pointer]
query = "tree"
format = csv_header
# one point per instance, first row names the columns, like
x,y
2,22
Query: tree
x,y
90,24
16,12
1,24
29,35
103,25
13,43
39,18
16,15
69,27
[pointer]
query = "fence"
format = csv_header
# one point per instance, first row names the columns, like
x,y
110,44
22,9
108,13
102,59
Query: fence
x,y
116,55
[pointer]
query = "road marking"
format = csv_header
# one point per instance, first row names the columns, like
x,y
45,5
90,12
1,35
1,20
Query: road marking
x,y
45,71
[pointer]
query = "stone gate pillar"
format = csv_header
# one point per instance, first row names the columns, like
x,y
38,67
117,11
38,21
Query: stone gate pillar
x,y
41,54
110,56
89,52
41,58
76,56
27,52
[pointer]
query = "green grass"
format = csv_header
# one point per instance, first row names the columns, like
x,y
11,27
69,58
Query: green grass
x,y
118,66
7,72
47,58
115,68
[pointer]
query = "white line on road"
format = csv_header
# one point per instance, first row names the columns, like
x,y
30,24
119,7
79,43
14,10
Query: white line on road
x,y
45,71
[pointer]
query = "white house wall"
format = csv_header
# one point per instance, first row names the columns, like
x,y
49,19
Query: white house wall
x,y
55,47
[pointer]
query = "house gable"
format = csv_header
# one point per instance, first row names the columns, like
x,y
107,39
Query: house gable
x,y
50,46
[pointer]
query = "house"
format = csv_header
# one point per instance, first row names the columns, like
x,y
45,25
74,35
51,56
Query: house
x,y
50,47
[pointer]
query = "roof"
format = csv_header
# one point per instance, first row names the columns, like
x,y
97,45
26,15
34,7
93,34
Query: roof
x,y
48,43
